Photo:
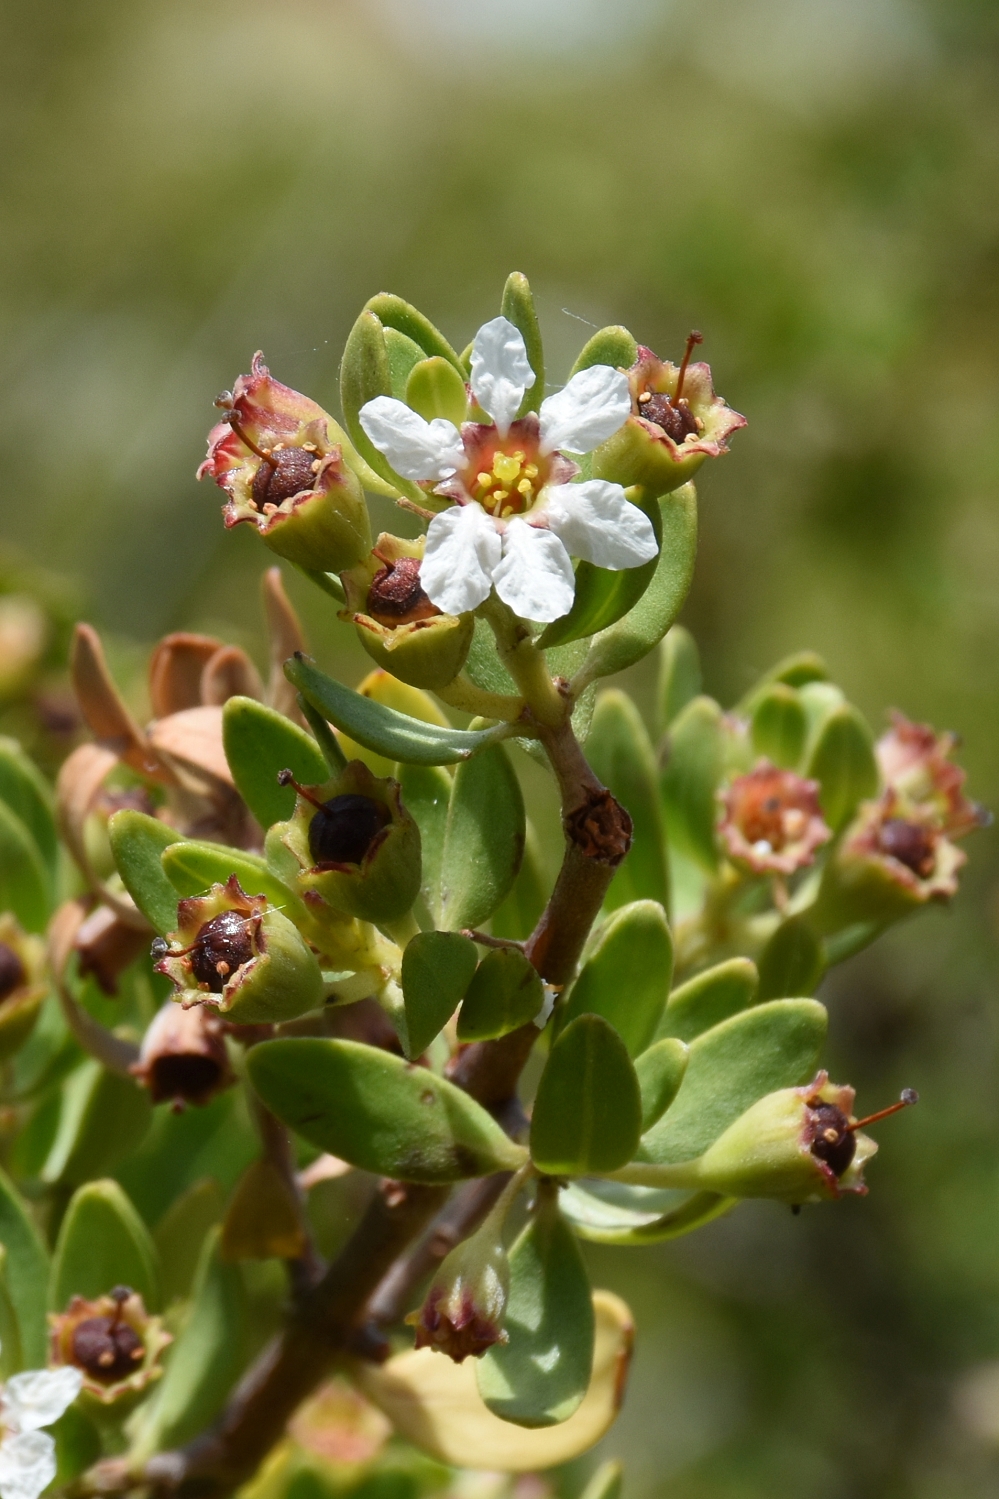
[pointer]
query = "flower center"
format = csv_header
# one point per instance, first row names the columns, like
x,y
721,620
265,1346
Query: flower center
x,y
672,413
222,945
910,843
283,473
12,974
395,596
830,1137
772,821
107,1348
510,486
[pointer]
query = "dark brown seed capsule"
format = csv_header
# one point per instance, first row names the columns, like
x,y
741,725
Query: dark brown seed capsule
x,y
12,974
395,596
910,843
290,472
676,421
223,945
184,1075
108,1350
829,1136
345,827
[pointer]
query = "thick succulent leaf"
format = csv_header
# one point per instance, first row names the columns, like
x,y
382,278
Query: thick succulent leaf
x,y
792,961
11,1353
426,794
435,1403
774,1045
660,1071
258,743
505,994
679,675
633,636
138,843
365,374
613,345
403,355
483,839
378,1112
710,997
193,866
518,305
588,1112
606,1482
842,760
387,732
104,1116
29,796
329,744
603,595
630,1217
381,687
26,1267
394,312
103,1243
621,753
780,726
25,878
539,1377
180,1235
517,917
434,388
797,670
626,975
436,969
695,760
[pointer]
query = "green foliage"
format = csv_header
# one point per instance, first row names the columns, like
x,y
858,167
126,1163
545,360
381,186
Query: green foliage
x,y
505,993
137,842
258,744
436,969
103,1243
483,839
621,753
660,1071
710,997
694,765
626,975
588,1112
25,881
102,1119
26,1273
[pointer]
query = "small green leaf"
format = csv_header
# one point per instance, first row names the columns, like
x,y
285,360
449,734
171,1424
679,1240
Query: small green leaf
x,y
779,726
378,1112
631,1216
385,730
709,998
103,1243
29,796
436,969
517,917
435,389
192,867
606,1482
426,795
25,879
104,1117
329,744
11,1353
505,994
613,345
137,843
621,753
483,839
819,699
695,761
660,1071
588,1112
394,312
26,1267
259,743
518,306
540,1376
365,374
403,356
792,962
842,760
772,1046
631,638
802,668
603,595
626,975
181,1232
679,674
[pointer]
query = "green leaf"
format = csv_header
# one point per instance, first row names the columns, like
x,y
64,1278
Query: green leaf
x,y
606,1482
679,675
385,730
632,637
518,305
365,374
137,843
483,839
394,312
26,1267
626,975
621,753
329,744
709,998
103,1243
842,760
180,1235
775,1045
779,726
505,994
631,1218
205,1360
604,595
613,345
426,795
192,867
792,962
29,796
11,1353
25,880
695,761
259,743
540,1376
378,1112
660,1071
517,917
403,355
436,389
588,1111
797,670
104,1117
436,969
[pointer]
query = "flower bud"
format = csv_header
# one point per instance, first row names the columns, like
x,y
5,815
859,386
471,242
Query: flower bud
x,y
357,847
915,763
676,422
237,953
462,1313
183,1059
273,456
22,983
772,822
398,626
114,1343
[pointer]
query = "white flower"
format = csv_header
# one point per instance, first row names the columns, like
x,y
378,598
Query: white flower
x,y
516,521
28,1402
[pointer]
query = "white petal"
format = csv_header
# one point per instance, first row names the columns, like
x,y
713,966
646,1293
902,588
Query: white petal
x,y
39,1396
535,577
501,371
595,521
416,449
27,1464
587,411
463,551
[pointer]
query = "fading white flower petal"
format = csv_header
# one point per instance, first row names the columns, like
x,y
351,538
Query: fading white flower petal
x,y
501,371
415,448
27,1464
535,577
39,1396
594,520
585,412
462,552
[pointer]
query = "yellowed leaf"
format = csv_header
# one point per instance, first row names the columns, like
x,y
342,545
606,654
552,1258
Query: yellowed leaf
x,y
263,1221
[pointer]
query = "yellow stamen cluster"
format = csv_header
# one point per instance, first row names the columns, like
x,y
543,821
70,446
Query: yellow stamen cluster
x,y
510,487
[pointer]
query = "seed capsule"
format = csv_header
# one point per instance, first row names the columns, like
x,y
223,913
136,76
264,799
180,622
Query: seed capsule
x,y
106,1349
395,596
287,472
12,974
911,843
222,945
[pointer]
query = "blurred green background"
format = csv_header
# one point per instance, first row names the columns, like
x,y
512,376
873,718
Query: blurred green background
x,y
815,185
